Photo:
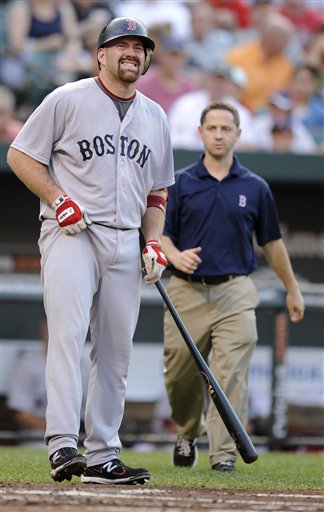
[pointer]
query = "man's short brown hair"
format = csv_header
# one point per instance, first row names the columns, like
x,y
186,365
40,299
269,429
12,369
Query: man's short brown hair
x,y
221,105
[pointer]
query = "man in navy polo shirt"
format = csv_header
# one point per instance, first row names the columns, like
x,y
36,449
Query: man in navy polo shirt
x,y
214,208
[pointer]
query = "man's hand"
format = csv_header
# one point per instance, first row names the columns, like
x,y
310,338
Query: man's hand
x,y
154,260
70,215
295,305
188,260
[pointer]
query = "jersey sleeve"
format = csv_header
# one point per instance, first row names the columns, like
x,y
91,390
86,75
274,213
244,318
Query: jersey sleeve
x,y
267,227
43,129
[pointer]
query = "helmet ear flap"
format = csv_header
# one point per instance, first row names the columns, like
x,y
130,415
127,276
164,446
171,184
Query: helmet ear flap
x,y
148,59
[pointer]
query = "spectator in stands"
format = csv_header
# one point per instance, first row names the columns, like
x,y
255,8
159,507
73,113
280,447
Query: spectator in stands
x,y
260,11
91,16
305,18
9,126
218,83
239,9
307,101
209,38
168,79
277,121
27,393
234,94
314,54
264,61
282,137
185,112
44,46
175,14
159,32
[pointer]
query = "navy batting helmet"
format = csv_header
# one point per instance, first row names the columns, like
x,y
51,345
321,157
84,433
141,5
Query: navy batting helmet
x,y
121,27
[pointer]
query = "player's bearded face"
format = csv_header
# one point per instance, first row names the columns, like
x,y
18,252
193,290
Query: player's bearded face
x,y
128,55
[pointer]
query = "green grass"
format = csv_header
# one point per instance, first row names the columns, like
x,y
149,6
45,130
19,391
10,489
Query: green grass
x,y
272,471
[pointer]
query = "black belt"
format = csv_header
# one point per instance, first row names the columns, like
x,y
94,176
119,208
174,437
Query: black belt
x,y
97,223
206,280
111,227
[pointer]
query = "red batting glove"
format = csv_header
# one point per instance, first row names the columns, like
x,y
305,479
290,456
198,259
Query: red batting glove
x,y
70,215
154,260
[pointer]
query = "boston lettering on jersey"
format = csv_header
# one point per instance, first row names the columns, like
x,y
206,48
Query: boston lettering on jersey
x,y
104,145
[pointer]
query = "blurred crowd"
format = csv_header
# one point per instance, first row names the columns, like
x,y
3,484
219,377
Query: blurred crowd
x,y
264,56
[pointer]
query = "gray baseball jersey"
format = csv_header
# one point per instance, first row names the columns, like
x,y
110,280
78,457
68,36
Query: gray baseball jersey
x,y
109,166
106,165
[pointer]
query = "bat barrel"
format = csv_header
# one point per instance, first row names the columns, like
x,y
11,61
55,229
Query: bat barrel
x,y
239,435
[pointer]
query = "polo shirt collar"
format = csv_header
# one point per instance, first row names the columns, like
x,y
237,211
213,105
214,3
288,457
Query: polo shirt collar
x,y
235,170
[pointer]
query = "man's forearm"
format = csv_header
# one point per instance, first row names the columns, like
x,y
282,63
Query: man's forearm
x,y
153,219
169,249
278,259
152,224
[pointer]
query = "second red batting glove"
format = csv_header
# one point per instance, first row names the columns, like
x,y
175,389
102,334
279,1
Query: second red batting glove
x,y
70,215
154,260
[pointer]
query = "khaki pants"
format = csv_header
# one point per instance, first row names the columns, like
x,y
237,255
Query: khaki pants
x,y
221,321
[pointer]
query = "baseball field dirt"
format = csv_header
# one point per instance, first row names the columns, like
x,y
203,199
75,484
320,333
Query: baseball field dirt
x,y
96,498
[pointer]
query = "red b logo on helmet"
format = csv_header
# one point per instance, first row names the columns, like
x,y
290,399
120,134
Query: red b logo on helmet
x,y
131,25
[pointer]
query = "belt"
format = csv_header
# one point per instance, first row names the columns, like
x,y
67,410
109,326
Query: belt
x,y
97,223
205,280
111,227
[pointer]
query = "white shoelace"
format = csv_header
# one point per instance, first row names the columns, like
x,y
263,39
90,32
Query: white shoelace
x,y
183,446
226,463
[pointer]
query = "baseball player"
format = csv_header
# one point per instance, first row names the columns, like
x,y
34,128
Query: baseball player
x,y
98,154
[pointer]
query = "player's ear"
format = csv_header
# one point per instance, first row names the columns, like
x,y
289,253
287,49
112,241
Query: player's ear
x,y
100,56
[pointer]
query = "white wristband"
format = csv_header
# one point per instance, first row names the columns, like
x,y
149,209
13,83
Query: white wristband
x,y
60,200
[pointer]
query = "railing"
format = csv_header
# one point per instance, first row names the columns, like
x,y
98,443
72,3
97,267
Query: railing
x,y
275,332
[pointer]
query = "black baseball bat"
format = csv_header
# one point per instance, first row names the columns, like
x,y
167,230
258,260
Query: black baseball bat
x,y
232,423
